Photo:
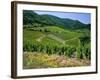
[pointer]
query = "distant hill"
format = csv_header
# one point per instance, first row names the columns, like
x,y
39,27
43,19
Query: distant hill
x,y
32,18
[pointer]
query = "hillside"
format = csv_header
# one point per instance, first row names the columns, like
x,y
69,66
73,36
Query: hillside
x,y
53,42
31,17
49,35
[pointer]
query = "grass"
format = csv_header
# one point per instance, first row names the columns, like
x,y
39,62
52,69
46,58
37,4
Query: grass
x,y
31,35
61,34
73,42
43,60
48,40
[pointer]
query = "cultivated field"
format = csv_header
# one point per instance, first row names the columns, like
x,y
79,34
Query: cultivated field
x,y
52,42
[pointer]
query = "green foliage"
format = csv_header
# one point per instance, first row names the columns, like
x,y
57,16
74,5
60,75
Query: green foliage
x,y
84,40
53,35
84,52
50,45
49,49
73,42
32,18
84,49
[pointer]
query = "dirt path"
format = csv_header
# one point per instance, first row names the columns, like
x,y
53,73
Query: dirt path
x,y
59,39
55,38
40,38
71,39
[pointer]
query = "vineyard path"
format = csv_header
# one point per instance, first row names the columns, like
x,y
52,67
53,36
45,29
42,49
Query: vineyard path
x,y
40,38
54,37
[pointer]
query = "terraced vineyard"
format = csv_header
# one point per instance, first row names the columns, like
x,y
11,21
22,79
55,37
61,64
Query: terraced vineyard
x,y
47,45
52,40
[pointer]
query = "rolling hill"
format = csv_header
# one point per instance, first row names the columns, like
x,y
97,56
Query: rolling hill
x,y
32,18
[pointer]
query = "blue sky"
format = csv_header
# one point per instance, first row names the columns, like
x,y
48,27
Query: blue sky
x,y
82,17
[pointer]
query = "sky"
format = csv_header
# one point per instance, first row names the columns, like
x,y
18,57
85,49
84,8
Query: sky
x,y
82,17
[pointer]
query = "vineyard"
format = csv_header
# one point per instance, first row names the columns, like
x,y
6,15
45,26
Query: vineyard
x,y
55,40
